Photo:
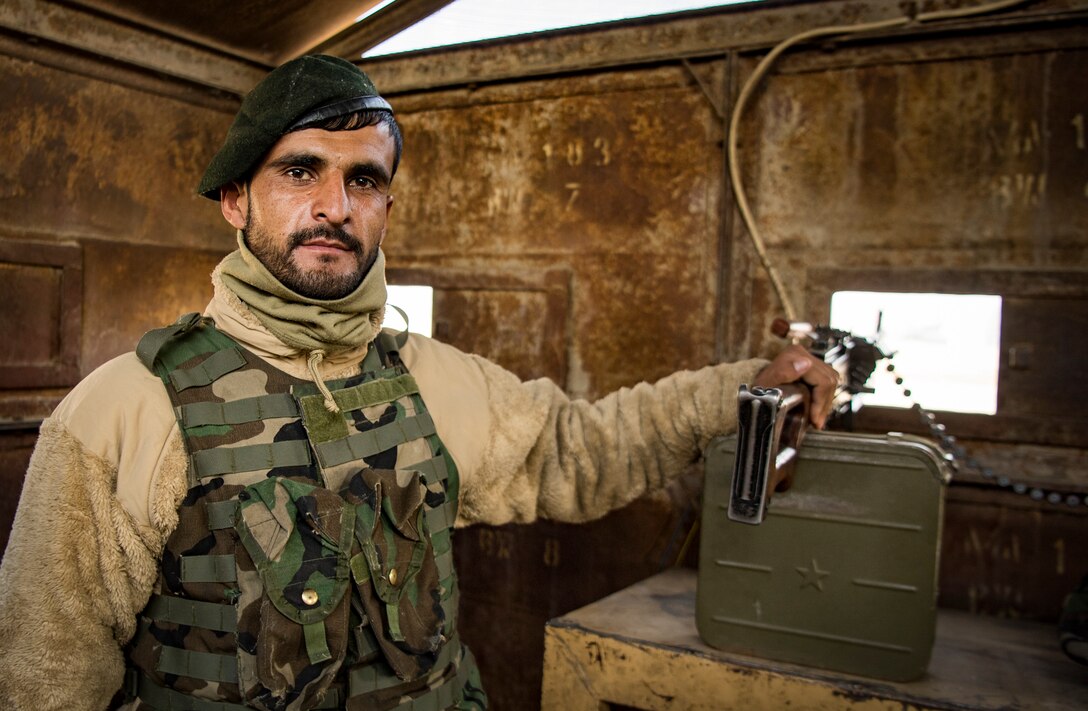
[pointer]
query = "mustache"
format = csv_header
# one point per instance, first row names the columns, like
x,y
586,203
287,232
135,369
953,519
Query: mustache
x,y
331,233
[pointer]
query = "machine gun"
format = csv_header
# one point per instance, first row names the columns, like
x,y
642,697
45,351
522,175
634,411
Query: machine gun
x,y
771,422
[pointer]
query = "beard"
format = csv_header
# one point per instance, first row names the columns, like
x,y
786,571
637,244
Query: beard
x,y
317,283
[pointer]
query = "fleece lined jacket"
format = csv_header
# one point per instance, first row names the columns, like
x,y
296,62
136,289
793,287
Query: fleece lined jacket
x,y
101,493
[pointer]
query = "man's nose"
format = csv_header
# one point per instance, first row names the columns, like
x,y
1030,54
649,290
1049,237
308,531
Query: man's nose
x,y
331,202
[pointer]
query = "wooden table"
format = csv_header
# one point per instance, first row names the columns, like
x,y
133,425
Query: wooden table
x,y
638,649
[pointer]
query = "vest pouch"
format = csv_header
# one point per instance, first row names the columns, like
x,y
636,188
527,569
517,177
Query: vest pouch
x,y
293,572
395,572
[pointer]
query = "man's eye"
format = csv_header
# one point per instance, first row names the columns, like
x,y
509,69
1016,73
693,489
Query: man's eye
x,y
363,182
296,173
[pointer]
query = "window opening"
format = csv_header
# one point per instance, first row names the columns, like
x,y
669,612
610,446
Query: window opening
x,y
416,301
475,20
946,347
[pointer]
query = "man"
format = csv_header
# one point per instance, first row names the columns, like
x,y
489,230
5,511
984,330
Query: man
x,y
253,509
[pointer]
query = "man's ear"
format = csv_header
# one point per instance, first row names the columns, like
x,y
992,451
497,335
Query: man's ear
x,y
388,209
234,203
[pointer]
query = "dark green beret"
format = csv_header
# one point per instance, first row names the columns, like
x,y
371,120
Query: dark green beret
x,y
306,90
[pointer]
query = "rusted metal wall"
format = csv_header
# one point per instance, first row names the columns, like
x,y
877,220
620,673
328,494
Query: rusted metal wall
x,y
605,177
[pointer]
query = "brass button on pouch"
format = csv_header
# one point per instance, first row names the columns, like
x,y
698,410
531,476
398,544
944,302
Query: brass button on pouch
x,y
393,576
309,596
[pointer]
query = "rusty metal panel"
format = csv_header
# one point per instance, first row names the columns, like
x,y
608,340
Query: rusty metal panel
x,y
976,162
516,318
88,158
1039,374
131,289
41,289
615,186
1007,556
889,165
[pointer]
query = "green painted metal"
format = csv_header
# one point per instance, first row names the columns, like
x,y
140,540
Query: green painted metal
x,y
842,574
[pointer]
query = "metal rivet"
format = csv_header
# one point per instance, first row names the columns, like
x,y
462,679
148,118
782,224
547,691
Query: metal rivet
x,y
393,576
309,596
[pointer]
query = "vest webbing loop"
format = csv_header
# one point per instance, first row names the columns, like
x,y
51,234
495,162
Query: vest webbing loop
x,y
389,344
163,699
371,442
221,514
194,613
198,665
147,350
208,569
372,361
433,469
449,586
365,641
236,412
441,518
165,350
440,698
208,370
444,563
251,457
375,392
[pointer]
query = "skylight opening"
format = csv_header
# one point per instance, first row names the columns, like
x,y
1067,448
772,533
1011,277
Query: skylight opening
x,y
946,347
475,20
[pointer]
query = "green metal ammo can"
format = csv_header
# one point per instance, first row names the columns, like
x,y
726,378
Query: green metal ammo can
x,y
842,573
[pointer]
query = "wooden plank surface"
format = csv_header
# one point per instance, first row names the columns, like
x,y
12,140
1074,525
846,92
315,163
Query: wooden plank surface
x,y
639,648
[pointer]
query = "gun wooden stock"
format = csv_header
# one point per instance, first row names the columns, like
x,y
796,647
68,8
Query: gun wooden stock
x,y
770,425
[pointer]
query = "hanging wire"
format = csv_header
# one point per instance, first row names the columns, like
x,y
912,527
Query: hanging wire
x,y
757,75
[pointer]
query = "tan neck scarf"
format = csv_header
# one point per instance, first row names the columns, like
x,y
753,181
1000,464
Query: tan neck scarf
x,y
307,324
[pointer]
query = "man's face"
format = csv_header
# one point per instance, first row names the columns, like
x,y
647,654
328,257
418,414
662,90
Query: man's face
x,y
316,208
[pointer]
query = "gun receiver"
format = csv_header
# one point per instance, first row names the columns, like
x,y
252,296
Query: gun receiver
x,y
771,422
770,425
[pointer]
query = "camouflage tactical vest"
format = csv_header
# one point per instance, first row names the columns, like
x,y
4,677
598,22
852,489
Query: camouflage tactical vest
x,y
311,567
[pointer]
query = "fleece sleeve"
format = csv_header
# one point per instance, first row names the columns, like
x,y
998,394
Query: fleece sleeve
x,y
79,564
526,450
572,460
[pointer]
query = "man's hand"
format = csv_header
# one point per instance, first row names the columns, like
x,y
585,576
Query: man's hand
x,y
794,364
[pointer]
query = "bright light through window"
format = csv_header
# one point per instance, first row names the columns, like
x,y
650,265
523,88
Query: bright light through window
x,y
475,20
945,346
417,302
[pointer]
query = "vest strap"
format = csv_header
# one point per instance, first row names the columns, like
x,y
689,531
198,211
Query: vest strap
x,y
152,342
375,392
251,457
221,514
208,569
433,470
236,412
208,370
441,518
439,698
317,644
372,360
371,442
163,699
194,613
198,665
444,563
